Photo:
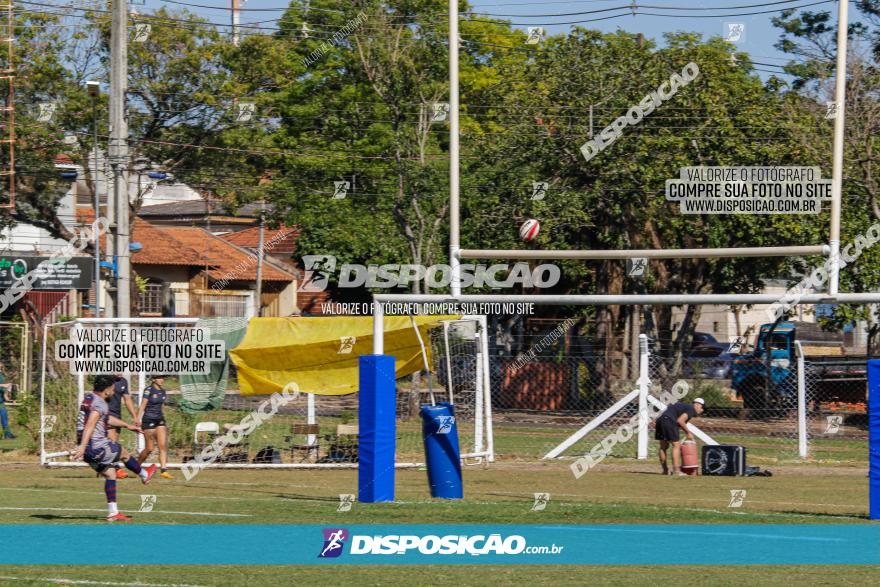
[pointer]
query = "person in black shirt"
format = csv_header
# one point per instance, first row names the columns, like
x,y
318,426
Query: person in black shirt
x,y
114,402
151,418
668,430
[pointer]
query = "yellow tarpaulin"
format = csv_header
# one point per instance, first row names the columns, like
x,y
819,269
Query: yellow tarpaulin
x,y
321,354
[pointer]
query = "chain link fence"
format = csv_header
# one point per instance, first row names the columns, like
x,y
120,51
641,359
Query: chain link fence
x,y
541,398
544,386
836,413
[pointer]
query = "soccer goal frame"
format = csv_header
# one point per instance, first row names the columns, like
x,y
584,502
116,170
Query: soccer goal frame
x,y
47,458
481,449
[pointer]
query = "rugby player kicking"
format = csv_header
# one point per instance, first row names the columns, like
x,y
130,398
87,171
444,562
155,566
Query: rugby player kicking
x,y
99,451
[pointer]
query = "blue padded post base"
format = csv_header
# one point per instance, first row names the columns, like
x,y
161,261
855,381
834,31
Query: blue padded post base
x,y
377,428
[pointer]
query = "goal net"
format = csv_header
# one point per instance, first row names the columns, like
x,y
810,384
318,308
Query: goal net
x,y
311,431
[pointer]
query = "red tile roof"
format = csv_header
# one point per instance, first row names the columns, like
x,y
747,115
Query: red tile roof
x,y
161,248
158,246
280,240
227,260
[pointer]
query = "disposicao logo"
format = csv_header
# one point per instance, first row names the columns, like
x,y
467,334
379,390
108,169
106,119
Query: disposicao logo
x,y
453,544
334,540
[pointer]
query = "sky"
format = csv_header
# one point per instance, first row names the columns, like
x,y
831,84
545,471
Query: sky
x,y
759,35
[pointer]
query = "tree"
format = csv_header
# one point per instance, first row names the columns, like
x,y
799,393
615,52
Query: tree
x,y
615,200
177,78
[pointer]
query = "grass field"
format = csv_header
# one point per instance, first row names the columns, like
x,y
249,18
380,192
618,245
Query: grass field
x,y
500,494
503,493
831,488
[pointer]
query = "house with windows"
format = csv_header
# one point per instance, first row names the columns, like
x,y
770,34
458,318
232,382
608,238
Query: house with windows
x,y
279,246
226,282
187,271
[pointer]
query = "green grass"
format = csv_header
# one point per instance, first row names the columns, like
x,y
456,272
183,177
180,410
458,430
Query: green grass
x,y
503,493
830,487
622,492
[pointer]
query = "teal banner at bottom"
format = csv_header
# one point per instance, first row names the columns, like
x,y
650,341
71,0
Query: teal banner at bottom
x,y
624,544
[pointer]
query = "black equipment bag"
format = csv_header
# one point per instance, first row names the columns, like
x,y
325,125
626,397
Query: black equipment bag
x,y
724,459
269,455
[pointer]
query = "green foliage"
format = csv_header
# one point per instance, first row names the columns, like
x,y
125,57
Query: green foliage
x,y
712,391
353,101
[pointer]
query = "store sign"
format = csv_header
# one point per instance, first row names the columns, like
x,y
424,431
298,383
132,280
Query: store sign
x,y
74,273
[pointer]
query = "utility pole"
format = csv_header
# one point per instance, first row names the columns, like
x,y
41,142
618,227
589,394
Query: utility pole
x,y
235,22
118,152
94,89
260,246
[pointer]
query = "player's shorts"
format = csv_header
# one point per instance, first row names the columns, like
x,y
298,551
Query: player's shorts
x,y
102,458
667,429
152,423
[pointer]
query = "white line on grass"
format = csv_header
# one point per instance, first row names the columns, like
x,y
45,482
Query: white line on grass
x,y
132,511
167,496
87,582
714,511
588,497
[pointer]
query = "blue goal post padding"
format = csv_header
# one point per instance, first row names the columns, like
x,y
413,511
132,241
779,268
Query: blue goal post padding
x,y
377,428
874,436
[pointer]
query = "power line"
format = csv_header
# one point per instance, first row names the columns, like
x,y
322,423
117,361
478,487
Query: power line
x,y
634,10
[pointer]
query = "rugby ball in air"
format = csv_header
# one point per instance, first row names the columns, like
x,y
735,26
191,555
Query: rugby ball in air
x,y
529,230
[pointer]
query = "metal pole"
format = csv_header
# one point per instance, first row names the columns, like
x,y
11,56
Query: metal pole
x,y
635,331
591,425
478,391
487,389
837,149
95,185
626,299
142,387
112,235
28,351
80,375
644,382
378,328
794,251
449,374
454,236
260,260
802,400
43,395
118,152
310,419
